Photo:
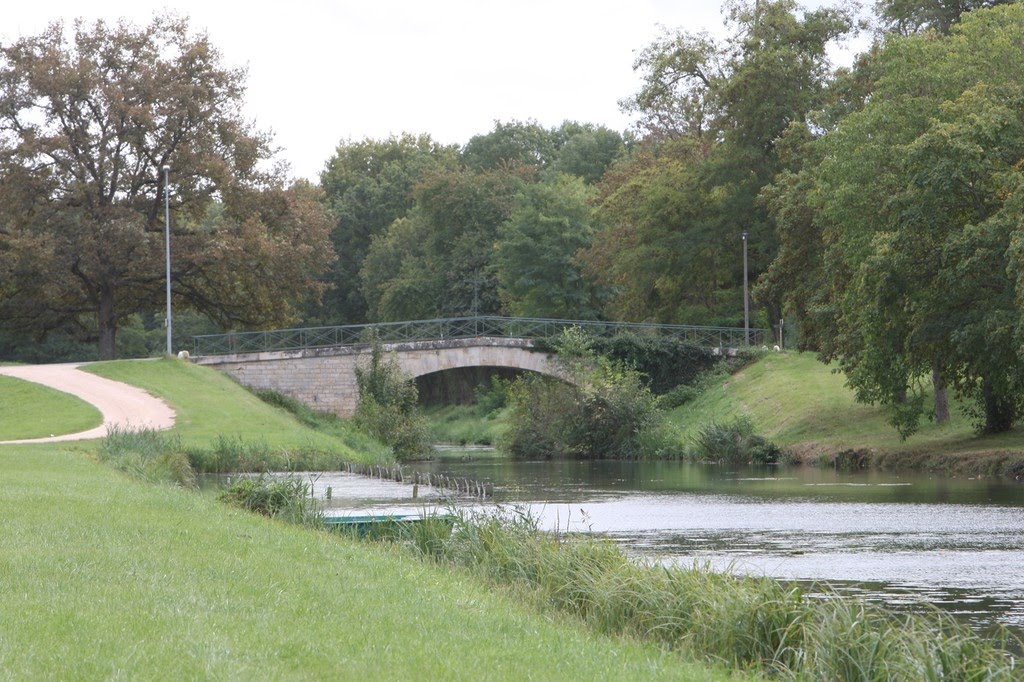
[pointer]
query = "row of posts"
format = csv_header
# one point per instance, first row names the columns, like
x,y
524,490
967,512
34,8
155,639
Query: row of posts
x,y
460,486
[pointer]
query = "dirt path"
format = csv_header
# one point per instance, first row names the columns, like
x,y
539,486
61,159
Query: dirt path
x,y
121,405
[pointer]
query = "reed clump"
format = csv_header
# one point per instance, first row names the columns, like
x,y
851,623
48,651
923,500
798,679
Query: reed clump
x,y
747,623
287,498
148,454
733,442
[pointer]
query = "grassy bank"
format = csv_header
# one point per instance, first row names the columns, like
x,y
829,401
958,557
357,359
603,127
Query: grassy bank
x,y
801,404
108,576
30,410
222,421
104,576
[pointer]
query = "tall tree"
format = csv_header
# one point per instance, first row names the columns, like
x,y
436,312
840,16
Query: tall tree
x,y
713,113
538,275
369,184
437,261
88,119
919,197
905,17
516,143
588,151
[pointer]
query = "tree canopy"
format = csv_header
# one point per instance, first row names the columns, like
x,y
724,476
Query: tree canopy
x,y
368,185
89,117
712,112
916,199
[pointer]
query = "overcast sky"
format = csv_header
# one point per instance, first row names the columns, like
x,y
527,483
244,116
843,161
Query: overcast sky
x,y
322,72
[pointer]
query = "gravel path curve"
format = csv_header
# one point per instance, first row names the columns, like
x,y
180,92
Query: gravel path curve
x,y
121,405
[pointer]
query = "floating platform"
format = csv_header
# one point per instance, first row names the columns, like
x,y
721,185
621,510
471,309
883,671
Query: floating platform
x,y
366,524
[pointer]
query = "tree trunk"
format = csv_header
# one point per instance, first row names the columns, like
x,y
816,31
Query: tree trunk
x,y
107,325
999,412
941,396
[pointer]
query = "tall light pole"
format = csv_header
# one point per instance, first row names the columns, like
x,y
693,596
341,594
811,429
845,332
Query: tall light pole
x,y
167,247
746,294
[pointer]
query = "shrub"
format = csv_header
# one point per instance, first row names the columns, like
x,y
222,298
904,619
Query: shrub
x,y
147,454
734,442
387,407
492,396
604,413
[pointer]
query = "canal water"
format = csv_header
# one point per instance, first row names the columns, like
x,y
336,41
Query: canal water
x,y
903,540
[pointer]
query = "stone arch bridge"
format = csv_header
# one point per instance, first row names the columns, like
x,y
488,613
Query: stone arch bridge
x,y
317,366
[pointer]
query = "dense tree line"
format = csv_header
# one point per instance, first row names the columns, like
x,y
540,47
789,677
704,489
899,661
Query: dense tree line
x,y
881,201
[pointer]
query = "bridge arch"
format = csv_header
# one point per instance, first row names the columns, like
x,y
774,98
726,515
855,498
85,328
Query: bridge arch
x,y
422,358
324,378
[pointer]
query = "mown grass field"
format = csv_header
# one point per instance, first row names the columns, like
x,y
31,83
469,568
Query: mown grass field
x,y
105,576
29,410
794,399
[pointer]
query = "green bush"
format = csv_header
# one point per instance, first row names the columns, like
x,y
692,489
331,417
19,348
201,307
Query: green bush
x,y
147,454
387,407
604,413
666,362
492,396
734,442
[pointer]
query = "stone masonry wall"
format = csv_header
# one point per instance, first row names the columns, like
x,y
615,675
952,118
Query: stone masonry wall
x,y
324,378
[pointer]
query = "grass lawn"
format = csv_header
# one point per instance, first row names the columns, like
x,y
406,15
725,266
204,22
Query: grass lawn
x,y
29,410
794,399
105,576
210,405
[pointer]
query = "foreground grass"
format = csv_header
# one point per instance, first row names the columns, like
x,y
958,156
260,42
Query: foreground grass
x,y
29,410
797,401
104,576
214,412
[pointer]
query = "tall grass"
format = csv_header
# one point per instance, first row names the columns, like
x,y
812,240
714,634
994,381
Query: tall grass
x,y
159,457
238,455
748,623
147,454
288,498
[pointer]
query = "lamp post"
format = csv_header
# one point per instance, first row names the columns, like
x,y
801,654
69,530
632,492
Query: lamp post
x,y
167,247
746,294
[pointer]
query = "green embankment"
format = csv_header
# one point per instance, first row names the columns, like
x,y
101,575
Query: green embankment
x,y
210,406
105,576
801,403
29,410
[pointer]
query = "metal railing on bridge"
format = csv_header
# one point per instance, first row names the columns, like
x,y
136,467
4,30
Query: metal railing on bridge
x,y
463,328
